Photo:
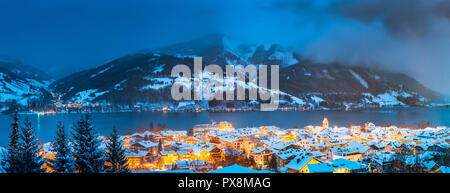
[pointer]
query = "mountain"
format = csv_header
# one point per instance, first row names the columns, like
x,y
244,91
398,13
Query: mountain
x,y
335,85
22,84
143,79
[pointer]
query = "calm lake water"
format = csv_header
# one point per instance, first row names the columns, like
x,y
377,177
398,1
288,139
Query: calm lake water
x,y
129,122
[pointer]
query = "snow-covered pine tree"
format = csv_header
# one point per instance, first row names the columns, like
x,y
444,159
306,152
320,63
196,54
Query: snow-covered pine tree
x,y
31,161
88,157
63,162
115,155
11,164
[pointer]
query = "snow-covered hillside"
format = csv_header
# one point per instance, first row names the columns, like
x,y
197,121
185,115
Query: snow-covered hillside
x,y
144,78
20,83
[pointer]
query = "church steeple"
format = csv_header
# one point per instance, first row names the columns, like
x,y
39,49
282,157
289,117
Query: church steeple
x,y
325,123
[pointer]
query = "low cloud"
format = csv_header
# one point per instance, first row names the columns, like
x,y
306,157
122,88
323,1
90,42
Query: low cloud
x,y
409,36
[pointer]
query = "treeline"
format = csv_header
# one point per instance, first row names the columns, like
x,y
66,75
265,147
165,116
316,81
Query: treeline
x,y
82,153
152,127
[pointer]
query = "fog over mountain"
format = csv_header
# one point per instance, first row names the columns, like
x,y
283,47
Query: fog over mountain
x,y
62,37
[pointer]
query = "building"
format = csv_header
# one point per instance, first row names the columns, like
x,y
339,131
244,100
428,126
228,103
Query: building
x,y
347,166
261,156
325,123
226,126
346,153
136,160
305,143
299,164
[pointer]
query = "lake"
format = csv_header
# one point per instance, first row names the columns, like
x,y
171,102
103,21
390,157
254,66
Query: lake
x,y
130,122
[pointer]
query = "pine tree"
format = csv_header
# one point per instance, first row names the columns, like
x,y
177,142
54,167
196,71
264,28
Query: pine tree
x,y
115,155
64,162
88,156
12,162
31,161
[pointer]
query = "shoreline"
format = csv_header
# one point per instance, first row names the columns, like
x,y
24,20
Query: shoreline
x,y
229,110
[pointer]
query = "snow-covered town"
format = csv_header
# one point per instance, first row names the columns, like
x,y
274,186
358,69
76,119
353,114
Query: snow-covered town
x,y
221,148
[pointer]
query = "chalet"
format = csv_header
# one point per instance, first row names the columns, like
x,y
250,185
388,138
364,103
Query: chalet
x,y
298,164
287,155
191,140
173,135
281,146
216,154
230,142
184,155
167,157
346,153
335,142
137,137
380,146
317,154
202,129
145,146
261,156
305,143
136,160
225,126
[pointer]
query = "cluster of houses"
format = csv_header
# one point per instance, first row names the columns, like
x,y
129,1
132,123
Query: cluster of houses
x,y
312,149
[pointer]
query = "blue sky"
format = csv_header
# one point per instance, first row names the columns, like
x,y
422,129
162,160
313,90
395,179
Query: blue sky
x,y
65,36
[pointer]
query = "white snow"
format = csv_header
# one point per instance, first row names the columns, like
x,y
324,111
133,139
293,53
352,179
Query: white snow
x,y
385,99
158,69
88,95
101,71
100,93
326,74
317,99
185,56
70,89
361,80
158,83
406,95
287,58
36,83
376,77
20,90
119,85
84,96
185,103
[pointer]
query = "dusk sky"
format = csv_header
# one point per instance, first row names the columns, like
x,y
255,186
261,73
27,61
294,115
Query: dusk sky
x,y
65,36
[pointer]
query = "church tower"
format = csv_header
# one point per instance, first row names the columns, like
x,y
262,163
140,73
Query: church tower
x,y
325,123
